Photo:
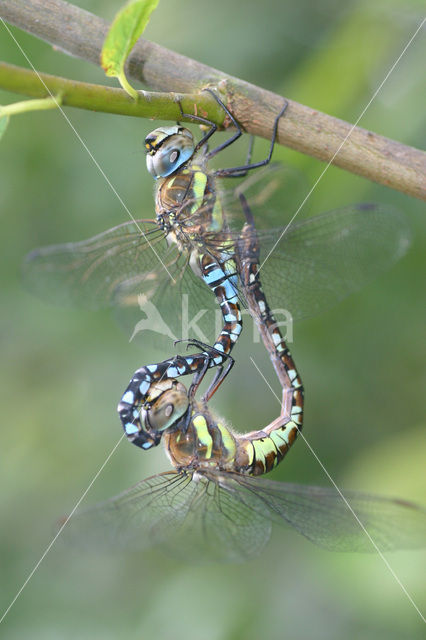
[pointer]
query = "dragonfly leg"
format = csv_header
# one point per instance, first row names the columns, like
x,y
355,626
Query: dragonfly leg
x,y
220,375
237,172
211,361
200,120
233,172
236,124
248,161
213,127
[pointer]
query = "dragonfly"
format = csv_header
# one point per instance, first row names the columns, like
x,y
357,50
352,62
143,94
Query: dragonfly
x,y
306,267
214,507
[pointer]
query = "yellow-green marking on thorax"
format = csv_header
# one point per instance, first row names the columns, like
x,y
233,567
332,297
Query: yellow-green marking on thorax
x,y
203,435
228,442
198,188
199,184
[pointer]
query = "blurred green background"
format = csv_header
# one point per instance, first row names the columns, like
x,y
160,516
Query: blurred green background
x,y
63,371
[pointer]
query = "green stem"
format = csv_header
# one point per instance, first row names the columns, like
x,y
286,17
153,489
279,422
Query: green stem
x,y
27,106
83,95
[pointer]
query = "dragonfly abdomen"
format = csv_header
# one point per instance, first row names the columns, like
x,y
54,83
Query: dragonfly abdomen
x,y
221,283
261,451
271,444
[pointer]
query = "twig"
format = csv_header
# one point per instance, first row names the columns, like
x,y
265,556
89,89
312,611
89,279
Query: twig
x,y
80,33
83,95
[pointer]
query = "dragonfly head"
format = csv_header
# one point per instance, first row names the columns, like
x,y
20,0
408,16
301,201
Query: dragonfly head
x,y
166,404
168,148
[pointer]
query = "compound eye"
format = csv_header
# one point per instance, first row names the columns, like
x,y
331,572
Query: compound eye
x,y
167,150
150,138
163,161
166,409
174,156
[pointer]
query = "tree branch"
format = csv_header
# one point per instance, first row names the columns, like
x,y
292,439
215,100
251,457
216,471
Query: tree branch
x,y
81,34
83,95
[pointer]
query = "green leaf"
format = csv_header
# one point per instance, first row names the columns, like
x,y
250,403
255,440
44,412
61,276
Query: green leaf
x,y
127,27
4,121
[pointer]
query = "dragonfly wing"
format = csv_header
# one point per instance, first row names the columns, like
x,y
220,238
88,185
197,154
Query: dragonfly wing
x,y
182,308
133,269
357,522
218,526
311,266
196,521
269,192
89,273
127,521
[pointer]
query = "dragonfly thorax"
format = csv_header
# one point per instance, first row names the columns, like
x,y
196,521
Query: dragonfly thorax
x,y
193,437
187,205
205,443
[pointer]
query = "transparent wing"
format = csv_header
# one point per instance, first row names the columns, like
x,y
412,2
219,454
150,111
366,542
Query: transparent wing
x,y
197,521
128,520
130,267
88,273
306,268
274,193
128,262
183,308
217,527
311,266
321,515
226,517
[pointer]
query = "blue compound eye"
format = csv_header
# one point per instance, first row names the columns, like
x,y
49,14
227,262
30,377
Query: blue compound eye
x,y
168,148
174,157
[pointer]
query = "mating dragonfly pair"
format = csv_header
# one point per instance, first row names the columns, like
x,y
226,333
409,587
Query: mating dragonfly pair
x,y
212,506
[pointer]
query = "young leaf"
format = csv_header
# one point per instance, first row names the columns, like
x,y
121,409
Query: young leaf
x,y
127,27
4,121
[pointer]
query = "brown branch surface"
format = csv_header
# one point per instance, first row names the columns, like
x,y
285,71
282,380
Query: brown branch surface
x,y
80,33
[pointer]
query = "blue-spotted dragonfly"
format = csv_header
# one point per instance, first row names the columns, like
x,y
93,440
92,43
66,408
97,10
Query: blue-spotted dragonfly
x,y
213,507
306,267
